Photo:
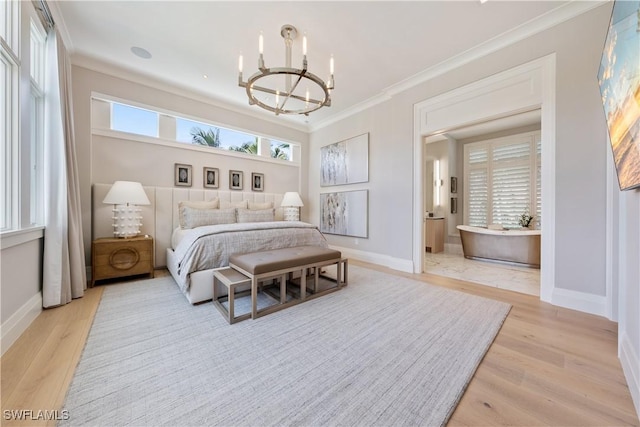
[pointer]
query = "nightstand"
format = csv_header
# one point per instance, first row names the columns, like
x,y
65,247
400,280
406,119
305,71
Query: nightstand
x,y
121,257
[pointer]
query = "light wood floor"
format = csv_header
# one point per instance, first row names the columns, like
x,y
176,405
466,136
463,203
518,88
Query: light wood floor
x,y
547,366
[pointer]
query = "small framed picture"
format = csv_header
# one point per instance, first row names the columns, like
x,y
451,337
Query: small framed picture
x,y
182,175
257,181
454,185
235,180
211,177
454,205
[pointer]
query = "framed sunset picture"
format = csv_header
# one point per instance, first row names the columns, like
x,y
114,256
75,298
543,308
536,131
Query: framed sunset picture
x,y
619,80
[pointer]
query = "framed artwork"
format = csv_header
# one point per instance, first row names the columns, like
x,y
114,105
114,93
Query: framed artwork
x,y
182,175
345,213
454,205
454,185
345,162
619,80
257,181
211,177
235,180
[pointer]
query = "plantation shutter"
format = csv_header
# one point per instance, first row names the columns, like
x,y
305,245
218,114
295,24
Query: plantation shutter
x,y
511,182
503,180
477,188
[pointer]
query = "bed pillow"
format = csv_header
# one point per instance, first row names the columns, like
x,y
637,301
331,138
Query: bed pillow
x,y
259,215
258,206
226,205
212,204
200,217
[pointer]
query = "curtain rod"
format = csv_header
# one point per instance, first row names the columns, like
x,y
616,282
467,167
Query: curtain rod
x,y
45,13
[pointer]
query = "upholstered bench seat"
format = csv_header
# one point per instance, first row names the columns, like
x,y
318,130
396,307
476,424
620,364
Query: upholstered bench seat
x,y
278,263
281,259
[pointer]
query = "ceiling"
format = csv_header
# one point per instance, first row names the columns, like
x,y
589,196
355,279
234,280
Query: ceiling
x,y
376,44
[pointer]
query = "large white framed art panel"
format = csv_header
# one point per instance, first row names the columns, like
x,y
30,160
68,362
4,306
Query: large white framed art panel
x,y
345,213
345,162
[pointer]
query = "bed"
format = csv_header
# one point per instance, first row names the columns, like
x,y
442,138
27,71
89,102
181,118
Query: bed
x,y
191,254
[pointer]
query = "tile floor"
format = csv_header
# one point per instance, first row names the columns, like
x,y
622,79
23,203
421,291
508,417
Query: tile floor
x,y
452,264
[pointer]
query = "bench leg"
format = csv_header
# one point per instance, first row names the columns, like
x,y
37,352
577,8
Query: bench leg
x,y
254,298
339,274
303,285
232,303
283,289
345,272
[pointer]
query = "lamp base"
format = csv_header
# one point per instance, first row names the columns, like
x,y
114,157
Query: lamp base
x,y
291,214
126,221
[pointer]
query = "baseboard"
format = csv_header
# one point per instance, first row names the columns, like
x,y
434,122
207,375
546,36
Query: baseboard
x,y
405,265
19,321
631,367
581,301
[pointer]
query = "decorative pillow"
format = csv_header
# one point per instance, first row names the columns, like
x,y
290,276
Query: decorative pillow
x,y
257,206
199,217
260,215
226,205
212,204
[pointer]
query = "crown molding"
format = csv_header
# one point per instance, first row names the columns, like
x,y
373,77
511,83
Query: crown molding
x,y
91,63
542,23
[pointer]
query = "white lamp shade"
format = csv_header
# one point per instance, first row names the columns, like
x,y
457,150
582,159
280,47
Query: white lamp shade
x,y
126,192
291,199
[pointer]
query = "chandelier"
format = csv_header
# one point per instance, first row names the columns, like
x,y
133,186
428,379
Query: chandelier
x,y
287,90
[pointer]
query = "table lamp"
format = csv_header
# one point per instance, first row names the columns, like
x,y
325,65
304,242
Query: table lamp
x,y
291,203
125,196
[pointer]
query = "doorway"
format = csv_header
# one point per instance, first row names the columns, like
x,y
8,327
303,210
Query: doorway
x,y
524,88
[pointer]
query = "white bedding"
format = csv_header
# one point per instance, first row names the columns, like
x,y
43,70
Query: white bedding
x,y
210,246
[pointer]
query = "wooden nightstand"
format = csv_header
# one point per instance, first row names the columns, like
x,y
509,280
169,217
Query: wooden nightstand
x,y
124,257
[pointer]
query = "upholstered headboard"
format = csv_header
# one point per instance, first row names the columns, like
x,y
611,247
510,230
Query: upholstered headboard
x,y
160,218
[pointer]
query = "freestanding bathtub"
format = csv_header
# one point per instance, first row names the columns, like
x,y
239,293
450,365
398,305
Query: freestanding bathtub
x,y
513,246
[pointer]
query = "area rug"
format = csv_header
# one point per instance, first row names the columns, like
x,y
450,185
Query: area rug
x,y
386,350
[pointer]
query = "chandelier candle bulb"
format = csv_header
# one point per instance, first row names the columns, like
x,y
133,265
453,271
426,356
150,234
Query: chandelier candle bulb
x,y
240,64
304,45
261,44
331,66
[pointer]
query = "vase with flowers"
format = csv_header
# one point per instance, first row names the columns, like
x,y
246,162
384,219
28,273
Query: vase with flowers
x,y
525,219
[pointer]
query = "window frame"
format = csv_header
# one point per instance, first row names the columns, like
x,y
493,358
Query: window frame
x,y
10,112
37,54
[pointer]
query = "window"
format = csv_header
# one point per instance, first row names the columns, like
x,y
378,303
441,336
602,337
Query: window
x,y
280,150
167,126
37,53
502,179
9,110
126,118
200,133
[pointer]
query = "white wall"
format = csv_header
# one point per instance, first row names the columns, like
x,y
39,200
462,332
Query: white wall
x,y
104,158
580,155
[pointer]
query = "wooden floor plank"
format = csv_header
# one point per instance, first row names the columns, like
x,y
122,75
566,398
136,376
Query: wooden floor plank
x,y
547,366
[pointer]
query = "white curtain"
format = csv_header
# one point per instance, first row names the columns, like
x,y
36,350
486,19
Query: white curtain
x,y
64,275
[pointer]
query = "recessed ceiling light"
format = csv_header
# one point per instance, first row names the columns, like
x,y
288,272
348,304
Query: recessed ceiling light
x,y
140,52
205,76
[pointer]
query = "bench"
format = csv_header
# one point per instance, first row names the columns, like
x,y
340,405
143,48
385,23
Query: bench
x,y
282,263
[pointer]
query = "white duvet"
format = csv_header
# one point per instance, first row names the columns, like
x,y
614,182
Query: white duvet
x,y
210,246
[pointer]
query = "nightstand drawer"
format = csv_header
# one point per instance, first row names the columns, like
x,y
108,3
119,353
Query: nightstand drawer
x,y
117,257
